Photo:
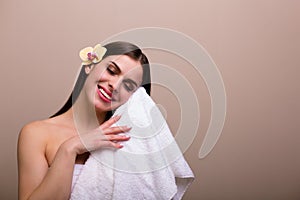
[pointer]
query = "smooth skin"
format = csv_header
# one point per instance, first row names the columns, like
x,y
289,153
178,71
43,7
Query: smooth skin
x,y
48,149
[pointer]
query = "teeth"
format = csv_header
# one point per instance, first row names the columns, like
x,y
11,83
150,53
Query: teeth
x,y
105,94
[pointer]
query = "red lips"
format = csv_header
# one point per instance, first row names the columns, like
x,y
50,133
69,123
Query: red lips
x,y
104,94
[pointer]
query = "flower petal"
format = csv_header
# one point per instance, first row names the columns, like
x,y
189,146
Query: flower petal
x,y
100,52
87,62
83,53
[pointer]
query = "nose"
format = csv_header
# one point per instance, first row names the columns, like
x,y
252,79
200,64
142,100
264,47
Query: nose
x,y
114,84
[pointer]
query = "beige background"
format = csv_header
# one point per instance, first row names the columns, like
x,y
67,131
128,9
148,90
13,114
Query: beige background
x,y
255,44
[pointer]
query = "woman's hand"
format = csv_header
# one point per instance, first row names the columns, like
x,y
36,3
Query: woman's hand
x,y
103,136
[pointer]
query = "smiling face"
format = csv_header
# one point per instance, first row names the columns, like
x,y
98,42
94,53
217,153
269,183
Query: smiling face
x,y
112,81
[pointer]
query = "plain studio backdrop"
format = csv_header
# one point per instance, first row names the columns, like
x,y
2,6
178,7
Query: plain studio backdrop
x,y
255,45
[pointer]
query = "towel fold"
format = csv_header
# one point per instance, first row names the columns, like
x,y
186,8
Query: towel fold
x,y
149,166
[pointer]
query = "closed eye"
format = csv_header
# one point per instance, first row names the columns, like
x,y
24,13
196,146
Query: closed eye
x,y
113,69
129,85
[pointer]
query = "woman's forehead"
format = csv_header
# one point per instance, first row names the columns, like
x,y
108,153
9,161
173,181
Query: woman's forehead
x,y
125,63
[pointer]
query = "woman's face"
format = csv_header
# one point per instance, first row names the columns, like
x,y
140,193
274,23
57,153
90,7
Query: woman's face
x,y
112,81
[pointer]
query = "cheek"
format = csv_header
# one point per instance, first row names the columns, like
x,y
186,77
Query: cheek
x,y
99,72
103,75
124,95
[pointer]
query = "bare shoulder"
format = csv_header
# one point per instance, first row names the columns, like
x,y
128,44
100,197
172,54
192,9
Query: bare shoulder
x,y
34,133
36,129
34,126
45,137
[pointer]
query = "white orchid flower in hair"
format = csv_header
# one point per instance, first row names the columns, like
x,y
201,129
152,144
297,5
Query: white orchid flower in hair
x,y
91,55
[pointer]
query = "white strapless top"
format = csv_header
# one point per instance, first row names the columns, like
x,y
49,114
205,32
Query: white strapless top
x,y
76,172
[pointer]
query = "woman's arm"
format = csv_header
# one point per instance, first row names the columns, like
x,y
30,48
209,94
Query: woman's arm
x,y
37,180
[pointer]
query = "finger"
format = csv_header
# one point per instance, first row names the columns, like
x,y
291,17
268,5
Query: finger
x,y
116,130
110,122
112,144
117,138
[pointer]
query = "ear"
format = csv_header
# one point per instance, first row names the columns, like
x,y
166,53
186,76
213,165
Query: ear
x,y
88,68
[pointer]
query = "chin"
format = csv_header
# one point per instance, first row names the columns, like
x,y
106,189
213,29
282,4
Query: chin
x,y
100,107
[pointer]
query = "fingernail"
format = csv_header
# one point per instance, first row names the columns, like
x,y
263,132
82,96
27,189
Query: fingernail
x,y
124,135
125,128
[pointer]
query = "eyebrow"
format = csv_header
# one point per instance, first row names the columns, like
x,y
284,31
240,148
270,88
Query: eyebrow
x,y
118,68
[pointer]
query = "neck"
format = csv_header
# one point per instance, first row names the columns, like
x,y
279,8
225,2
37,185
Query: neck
x,y
85,116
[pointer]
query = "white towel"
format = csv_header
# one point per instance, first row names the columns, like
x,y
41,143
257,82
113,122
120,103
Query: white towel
x,y
149,166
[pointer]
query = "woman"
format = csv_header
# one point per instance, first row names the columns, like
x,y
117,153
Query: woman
x,y
49,149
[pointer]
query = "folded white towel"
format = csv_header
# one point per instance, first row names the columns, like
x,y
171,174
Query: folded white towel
x,y
149,166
